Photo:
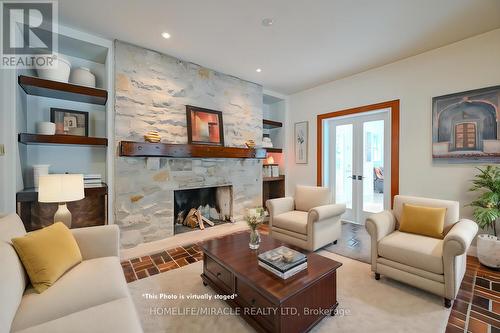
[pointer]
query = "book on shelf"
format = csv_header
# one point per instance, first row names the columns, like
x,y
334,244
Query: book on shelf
x,y
92,176
92,181
93,185
284,275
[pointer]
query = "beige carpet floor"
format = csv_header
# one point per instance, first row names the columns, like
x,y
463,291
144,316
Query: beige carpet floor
x,y
369,305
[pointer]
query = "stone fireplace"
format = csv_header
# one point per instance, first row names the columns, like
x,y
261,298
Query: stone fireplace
x,y
152,91
213,203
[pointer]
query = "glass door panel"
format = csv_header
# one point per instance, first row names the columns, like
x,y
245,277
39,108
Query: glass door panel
x,y
373,166
359,163
344,164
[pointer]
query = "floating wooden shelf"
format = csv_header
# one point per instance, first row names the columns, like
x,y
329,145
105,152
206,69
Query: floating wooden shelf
x,y
269,124
274,150
53,89
273,179
31,194
146,149
30,139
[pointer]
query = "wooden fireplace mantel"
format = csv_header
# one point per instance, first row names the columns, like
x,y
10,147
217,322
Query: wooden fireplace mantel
x,y
146,149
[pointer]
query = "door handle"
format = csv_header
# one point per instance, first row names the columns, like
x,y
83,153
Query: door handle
x,y
360,177
353,177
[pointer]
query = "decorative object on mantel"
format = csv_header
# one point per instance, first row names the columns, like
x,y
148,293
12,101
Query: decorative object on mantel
x,y
465,126
39,170
250,143
254,218
487,213
204,126
70,122
45,128
266,141
60,189
58,72
82,76
301,142
152,136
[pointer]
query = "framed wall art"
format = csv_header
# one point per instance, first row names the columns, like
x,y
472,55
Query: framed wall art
x,y
70,122
301,137
465,126
204,126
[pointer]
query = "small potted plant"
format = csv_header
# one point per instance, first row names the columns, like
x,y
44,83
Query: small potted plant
x,y
486,213
254,218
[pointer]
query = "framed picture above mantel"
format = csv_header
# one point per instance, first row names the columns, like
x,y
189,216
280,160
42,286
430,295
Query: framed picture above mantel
x,y
465,126
204,126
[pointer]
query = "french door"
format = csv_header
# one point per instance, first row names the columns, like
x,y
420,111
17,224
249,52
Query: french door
x,y
358,169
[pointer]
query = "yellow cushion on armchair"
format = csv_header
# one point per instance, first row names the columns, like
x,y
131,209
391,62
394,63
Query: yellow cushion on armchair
x,y
47,254
421,220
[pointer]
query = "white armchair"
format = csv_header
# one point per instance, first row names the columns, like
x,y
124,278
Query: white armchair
x,y
435,265
309,221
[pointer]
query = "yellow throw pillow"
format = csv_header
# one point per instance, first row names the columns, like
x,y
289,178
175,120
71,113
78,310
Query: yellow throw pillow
x,y
47,254
426,221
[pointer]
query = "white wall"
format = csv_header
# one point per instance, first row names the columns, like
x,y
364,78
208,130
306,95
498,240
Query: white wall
x,y
468,64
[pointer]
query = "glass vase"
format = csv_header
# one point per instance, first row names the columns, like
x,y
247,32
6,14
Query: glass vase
x,y
254,239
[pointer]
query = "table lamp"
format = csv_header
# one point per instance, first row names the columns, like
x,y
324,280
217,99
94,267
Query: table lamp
x,y
61,189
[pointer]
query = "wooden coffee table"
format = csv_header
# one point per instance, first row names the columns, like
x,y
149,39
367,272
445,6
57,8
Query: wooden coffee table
x,y
265,301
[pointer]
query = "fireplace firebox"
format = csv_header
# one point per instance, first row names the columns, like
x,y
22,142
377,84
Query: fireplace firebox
x,y
213,204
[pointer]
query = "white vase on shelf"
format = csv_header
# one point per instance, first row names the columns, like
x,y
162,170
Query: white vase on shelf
x,y
82,76
59,72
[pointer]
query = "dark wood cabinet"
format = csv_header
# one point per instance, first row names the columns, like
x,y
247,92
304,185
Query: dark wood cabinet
x,y
272,188
88,212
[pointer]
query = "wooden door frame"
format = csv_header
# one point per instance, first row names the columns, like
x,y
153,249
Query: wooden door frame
x,y
394,109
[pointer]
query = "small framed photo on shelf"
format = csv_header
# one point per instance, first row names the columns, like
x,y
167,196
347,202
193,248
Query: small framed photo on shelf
x,y
70,122
204,126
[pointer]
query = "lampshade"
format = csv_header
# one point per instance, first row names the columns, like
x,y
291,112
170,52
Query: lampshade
x,y
60,188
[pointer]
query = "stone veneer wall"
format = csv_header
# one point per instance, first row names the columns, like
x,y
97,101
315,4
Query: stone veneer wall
x,y
152,90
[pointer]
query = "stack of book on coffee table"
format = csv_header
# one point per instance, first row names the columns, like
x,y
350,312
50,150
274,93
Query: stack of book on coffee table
x,y
283,261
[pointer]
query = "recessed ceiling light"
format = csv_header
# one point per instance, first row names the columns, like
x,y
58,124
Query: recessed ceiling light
x,y
165,35
267,22
258,70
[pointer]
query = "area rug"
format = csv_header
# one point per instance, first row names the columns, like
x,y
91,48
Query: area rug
x,y
365,304
354,242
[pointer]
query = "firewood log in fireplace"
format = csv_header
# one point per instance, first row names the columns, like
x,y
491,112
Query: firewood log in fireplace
x,y
194,219
204,219
191,219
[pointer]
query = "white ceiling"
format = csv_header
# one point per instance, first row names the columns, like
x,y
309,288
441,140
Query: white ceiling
x,y
311,42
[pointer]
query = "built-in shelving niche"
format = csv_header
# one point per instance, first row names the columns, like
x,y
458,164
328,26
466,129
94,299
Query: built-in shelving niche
x,y
35,97
274,116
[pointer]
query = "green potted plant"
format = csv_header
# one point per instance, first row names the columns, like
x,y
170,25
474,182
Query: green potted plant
x,y
486,213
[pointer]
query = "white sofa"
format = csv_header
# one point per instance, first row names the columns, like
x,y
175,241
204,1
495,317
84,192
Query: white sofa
x,y
91,297
309,220
432,264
